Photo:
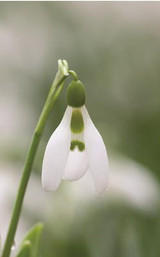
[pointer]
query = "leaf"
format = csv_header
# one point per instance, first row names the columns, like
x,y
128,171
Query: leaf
x,y
30,244
25,250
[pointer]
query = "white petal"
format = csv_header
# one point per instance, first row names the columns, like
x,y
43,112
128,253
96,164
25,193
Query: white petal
x,y
76,165
96,153
56,154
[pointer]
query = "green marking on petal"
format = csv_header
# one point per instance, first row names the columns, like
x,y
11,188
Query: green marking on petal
x,y
79,144
77,123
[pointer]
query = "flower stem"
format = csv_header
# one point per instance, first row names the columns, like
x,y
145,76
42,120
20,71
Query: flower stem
x,y
54,92
72,72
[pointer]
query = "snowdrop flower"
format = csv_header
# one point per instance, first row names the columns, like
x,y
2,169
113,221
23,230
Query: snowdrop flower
x,y
75,146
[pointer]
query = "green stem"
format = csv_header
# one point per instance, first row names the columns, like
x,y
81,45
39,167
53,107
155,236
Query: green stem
x,y
72,72
53,95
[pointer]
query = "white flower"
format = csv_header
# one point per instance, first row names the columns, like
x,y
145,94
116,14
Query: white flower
x,y
74,148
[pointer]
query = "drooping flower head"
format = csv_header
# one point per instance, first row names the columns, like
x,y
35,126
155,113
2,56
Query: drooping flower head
x,y
76,146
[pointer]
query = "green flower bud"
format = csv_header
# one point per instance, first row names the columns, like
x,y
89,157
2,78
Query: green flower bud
x,y
76,94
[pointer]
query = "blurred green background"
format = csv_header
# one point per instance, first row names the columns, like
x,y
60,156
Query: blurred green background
x,y
115,49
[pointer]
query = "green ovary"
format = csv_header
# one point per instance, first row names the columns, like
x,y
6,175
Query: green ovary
x,y
79,144
76,94
77,124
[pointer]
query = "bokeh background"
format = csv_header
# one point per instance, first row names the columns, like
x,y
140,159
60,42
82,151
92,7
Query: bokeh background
x,y
115,49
